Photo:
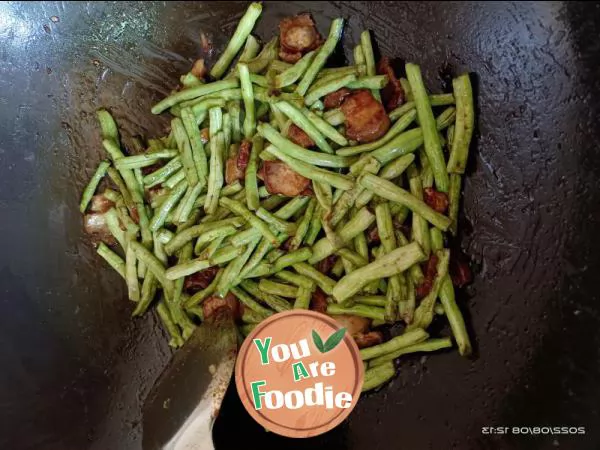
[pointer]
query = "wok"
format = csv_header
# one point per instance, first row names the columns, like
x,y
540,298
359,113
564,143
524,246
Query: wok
x,y
75,367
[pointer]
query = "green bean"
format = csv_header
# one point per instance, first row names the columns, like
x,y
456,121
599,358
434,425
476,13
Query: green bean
x,y
315,226
303,226
374,83
409,338
175,179
251,49
334,117
250,179
239,209
348,198
190,80
437,239
420,227
164,236
325,128
188,94
370,300
385,229
293,73
276,223
321,89
185,236
274,288
249,302
357,224
127,175
371,312
391,192
215,121
159,218
367,50
455,318
377,376
398,127
431,139
441,99
279,66
112,259
259,80
335,33
200,107
235,112
291,259
403,144
154,265
172,329
187,202
161,175
215,175
221,256
202,295
108,126
312,172
323,281
298,280
401,111
264,58
295,151
232,271
249,125
352,257
454,201
304,297
304,123
197,147
184,255
247,328
463,127
145,159
211,235
112,222
273,301
240,35
88,192
149,287
430,345
424,313
446,118
390,264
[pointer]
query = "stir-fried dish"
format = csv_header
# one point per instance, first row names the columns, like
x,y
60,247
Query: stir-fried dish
x,y
287,183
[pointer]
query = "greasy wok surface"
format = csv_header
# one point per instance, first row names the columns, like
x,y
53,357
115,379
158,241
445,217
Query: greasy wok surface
x,y
76,368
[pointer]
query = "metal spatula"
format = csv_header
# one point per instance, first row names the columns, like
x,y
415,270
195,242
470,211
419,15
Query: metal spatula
x,y
181,408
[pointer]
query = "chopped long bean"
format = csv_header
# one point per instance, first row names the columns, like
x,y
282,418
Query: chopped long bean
x,y
88,192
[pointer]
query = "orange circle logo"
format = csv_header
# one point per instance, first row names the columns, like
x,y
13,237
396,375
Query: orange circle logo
x,y
299,374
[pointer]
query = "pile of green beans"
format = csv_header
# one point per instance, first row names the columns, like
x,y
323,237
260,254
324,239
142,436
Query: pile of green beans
x,y
179,217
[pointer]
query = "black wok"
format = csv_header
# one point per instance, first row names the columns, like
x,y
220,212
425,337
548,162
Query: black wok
x,y
75,367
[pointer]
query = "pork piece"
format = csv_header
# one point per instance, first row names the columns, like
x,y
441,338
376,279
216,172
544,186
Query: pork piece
x,y
204,135
435,199
365,118
353,324
94,224
369,339
232,170
335,99
430,271
199,69
392,94
100,204
214,305
200,280
460,271
325,265
297,36
373,236
299,137
318,301
280,179
235,166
